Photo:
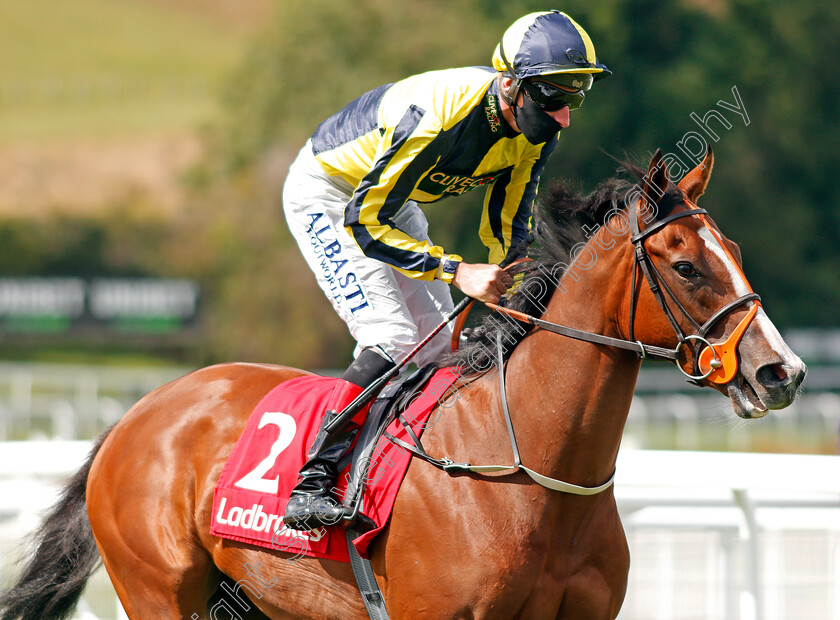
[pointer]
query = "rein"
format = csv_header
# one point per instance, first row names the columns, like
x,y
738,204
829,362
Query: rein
x,y
722,367
643,350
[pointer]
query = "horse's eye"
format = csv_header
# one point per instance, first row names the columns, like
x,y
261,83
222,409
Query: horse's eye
x,y
686,270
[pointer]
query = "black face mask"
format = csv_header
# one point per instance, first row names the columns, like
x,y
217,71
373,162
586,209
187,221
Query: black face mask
x,y
535,124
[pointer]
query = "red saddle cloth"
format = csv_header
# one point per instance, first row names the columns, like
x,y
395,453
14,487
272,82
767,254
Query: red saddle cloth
x,y
253,489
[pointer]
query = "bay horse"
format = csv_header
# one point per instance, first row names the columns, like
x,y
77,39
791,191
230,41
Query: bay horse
x,y
456,546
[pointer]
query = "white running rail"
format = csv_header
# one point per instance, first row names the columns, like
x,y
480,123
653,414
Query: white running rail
x,y
713,535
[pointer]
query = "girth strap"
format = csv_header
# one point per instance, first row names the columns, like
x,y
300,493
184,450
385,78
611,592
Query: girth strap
x,y
366,580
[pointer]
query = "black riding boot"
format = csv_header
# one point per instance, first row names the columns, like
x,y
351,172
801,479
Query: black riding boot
x,y
311,504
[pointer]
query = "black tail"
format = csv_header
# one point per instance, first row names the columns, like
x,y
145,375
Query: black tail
x,y
65,557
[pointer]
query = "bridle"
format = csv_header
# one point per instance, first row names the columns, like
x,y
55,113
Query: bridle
x,y
721,359
715,363
723,366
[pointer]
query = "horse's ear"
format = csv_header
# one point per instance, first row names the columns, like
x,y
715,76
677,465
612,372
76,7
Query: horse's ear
x,y
694,183
656,179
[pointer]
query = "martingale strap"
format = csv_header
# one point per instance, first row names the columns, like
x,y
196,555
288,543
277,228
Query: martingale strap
x,y
450,466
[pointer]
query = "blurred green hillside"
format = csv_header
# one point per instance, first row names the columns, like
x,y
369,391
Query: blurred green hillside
x,y
773,188
101,68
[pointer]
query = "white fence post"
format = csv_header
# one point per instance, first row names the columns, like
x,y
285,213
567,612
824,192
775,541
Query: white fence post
x,y
20,397
751,606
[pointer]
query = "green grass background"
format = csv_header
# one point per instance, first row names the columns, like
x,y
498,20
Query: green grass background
x,y
106,68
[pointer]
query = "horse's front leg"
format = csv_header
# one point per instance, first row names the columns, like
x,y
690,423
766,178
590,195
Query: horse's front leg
x,y
599,561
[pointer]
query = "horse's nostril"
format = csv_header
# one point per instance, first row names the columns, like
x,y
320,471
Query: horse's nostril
x,y
800,377
772,376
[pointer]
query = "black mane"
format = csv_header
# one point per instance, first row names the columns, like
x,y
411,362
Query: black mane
x,y
561,219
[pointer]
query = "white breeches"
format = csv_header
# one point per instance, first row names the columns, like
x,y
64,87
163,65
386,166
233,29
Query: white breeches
x,y
382,307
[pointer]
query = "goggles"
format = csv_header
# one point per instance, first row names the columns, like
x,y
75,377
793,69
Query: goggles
x,y
551,96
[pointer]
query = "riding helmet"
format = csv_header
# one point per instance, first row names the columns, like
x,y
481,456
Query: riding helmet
x,y
545,43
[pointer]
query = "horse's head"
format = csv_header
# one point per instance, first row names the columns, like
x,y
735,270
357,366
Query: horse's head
x,y
705,301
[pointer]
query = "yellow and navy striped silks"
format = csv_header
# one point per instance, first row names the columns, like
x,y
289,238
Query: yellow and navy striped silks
x,y
424,138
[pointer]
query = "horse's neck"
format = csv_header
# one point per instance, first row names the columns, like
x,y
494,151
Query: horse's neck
x,y
573,396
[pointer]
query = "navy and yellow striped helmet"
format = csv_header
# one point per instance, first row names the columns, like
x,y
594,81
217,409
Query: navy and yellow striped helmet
x,y
546,43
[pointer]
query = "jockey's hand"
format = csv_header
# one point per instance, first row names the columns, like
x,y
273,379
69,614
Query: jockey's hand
x,y
482,281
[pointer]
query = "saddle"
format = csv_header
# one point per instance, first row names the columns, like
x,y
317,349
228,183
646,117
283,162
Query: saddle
x,y
253,489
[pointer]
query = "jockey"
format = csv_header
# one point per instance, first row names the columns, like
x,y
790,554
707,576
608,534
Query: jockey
x,y
351,201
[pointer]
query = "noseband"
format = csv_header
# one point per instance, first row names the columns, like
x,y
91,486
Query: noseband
x,y
716,364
